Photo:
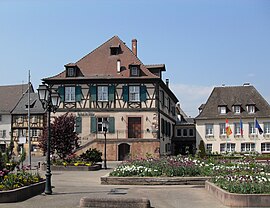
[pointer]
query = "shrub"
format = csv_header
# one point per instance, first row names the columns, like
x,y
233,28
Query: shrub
x,y
91,155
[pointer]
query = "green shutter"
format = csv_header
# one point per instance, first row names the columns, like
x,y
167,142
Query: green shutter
x,y
111,93
78,93
93,93
143,93
61,91
78,125
111,125
93,124
125,93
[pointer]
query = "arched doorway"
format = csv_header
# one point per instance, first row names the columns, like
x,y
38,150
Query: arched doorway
x,y
123,151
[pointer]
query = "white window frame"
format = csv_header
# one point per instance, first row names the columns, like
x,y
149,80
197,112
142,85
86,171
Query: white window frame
x,y
237,129
230,147
209,148
237,109
247,147
265,147
103,93
134,93
266,126
223,109
101,125
250,109
70,94
222,129
70,72
251,128
34,133
209,129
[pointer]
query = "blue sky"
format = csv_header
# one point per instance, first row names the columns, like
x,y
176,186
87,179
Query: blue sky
x,y
204,43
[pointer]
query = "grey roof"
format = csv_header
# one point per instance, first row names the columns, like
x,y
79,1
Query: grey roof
x,y
234,95
35,105
10,95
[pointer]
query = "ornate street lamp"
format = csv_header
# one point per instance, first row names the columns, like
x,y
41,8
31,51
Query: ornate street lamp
x,y
50,101
105,129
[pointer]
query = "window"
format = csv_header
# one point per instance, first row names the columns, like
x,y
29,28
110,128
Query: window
x,y
115,50
265,147
222,110
237,109
70,94
252,129
250,108
162,98
222,129
191,132
230,147
184,132
34,119
134,93
179,132
209,129
71,72
209,147
247,147
100,124
21,132
134,71
102,93
0,117
266,126
3,133
34,133
237,129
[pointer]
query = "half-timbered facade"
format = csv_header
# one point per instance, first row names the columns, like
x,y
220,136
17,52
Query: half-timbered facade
x,y
19,126
112,85
10,95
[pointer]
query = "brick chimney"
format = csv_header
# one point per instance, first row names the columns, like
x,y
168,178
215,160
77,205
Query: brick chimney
x,y
134,46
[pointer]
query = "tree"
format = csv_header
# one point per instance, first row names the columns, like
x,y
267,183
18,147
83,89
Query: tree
x,y
64,140
202,152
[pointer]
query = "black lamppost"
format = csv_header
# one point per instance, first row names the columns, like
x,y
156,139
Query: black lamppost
x,y
105,129
50,101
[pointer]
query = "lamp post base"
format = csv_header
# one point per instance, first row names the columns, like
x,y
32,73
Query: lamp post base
x,y
48,186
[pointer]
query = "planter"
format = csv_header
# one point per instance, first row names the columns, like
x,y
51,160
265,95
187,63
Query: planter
x,y
108,180
72,168
22,193
238,200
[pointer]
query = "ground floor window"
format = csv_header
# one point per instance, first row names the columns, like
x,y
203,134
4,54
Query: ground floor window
x,y
209,147
265,147
247,147
229,147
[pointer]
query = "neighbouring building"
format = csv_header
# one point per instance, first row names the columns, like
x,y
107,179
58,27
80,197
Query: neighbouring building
x,y
184,139
248,117
19,126
112,85
10,95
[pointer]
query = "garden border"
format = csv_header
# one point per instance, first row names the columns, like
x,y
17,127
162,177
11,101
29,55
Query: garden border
x,y
72,168
109,180
22,193
238,200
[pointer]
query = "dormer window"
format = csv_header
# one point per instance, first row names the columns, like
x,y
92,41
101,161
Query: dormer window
x,y
134,71
237,109
251,108
71,72
222,109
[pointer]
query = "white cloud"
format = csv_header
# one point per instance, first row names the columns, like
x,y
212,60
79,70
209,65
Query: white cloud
x,y
191,96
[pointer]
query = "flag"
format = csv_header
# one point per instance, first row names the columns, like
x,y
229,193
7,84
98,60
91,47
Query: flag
x,y
228,128
241,127
257,125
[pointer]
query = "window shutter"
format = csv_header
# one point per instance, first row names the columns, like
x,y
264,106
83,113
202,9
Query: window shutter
x,y
93,124
93,93
125,93
111,125
111,93
143,93
78,125
78,93
162,126
61,91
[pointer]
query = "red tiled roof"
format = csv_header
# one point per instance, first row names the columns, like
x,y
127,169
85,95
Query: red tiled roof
x,y
101,64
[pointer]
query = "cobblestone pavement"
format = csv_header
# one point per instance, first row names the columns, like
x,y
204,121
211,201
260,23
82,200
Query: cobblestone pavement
x,y
71,186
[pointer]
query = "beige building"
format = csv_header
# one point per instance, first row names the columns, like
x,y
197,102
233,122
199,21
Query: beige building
x,y
247,114
112,85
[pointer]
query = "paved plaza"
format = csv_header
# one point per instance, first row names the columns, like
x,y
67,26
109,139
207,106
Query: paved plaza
x,y
71,186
